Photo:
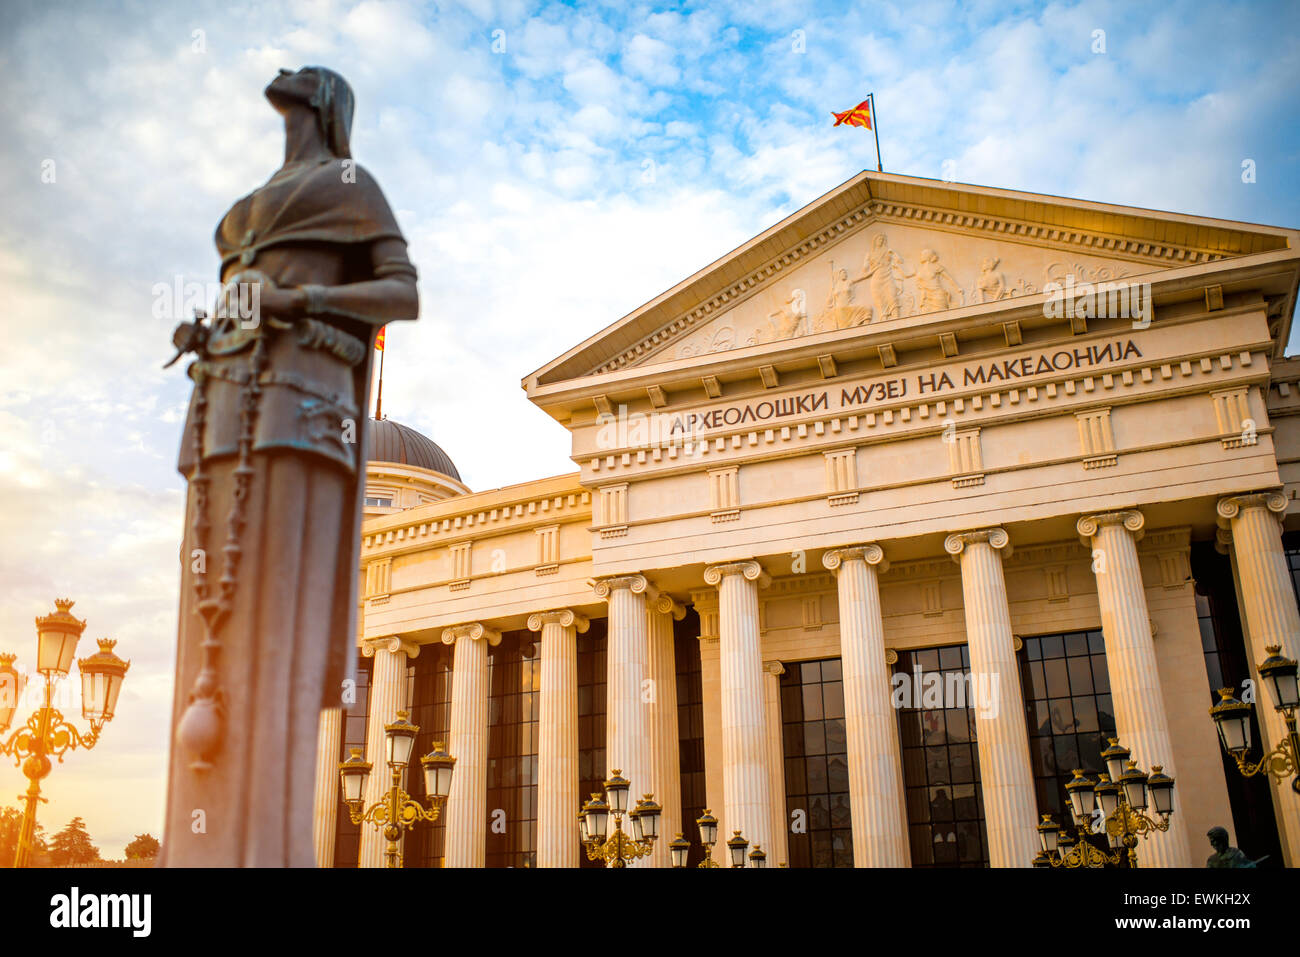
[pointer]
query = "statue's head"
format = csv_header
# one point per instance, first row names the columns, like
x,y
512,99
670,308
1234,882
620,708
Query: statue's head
x,y
326,94
1218,838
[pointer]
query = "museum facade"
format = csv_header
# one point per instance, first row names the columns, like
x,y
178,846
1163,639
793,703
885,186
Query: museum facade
x,y
881,526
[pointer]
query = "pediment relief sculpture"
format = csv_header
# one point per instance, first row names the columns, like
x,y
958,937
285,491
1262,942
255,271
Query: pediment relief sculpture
x,y
904,272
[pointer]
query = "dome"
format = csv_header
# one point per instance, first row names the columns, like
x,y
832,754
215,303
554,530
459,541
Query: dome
x,y
391,441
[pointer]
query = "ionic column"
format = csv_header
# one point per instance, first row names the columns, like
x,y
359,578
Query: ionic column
x,y
387,697
1002,739
329,742
466,810
875,766
558,799
779,852
705,601
745,772
665,754
1140,718
1268,606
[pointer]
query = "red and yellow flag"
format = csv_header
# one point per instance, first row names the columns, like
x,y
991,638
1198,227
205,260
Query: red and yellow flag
x,y
860,115
379,339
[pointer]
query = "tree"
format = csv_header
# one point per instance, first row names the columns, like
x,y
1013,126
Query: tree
x,y
144,846
72,845
11,823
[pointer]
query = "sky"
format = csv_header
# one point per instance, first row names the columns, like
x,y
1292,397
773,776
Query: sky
x,y
552,167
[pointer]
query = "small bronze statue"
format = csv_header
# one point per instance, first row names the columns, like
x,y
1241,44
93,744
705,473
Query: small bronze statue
x,y
1225,856
273,456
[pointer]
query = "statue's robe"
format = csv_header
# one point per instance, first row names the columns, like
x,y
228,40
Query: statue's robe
x,y
288,642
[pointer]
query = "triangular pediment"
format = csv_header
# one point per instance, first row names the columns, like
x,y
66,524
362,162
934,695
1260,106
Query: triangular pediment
x,y
882,248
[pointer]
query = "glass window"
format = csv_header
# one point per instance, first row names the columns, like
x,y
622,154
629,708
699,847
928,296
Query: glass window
x,y
690,731
816,766
941,779
514,677
347,836
1070,715
591,715
429,679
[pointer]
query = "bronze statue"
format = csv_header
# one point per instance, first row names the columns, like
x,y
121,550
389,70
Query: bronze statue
x,y
272,452
1225,856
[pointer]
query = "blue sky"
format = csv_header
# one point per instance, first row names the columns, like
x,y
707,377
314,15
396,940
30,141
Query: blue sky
x,y
553,166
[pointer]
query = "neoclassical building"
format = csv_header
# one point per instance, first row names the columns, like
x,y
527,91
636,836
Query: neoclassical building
x,y
880,526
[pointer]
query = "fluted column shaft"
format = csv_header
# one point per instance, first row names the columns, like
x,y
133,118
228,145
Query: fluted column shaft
x,y
1269,608
745,771
627,718
875,766
329,744
665,756
1140,718
1002,739
466,810
557,739
387,697
779,852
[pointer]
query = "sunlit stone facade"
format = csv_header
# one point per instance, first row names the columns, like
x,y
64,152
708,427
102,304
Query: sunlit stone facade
x,y
880,526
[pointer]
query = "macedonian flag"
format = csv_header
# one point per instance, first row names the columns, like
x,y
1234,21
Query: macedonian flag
x,y
379,339
860,115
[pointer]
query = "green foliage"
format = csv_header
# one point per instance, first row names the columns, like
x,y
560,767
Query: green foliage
x,y
72,845
11,822
143,847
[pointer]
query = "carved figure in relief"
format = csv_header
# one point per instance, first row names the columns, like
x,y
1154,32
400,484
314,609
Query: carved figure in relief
x,y
932,280
990,286
883,269
840,313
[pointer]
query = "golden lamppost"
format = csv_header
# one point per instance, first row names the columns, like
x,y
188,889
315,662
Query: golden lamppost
x,y
1232,718
397,811
620,848
1123,795
736,847
47,733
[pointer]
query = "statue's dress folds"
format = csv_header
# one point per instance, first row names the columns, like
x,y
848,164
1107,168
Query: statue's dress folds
x,y
288,546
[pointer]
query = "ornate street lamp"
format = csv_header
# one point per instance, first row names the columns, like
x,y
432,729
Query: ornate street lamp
x,y
620,848
1232,718
1123,795
708,825
680,849
397,811
46,733
737,846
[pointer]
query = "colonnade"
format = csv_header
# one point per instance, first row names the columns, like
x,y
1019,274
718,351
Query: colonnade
x,y
642,733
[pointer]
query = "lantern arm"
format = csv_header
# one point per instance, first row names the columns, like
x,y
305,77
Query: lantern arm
x,y
619,848
409,810
1281,763
1083,854
1128,821
62,736
47,732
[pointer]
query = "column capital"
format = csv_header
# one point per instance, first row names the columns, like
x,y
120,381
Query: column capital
x,y
636,583
392,644
751,570
565,617
996,538
872,554
1089,525
666,604
773,668
1229,508
474,630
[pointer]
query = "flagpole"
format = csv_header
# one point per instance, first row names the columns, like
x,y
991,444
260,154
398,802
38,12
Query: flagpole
x,y
875,123
379,401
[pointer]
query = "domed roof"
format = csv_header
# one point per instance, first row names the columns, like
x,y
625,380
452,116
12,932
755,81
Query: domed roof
x,y
391,441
